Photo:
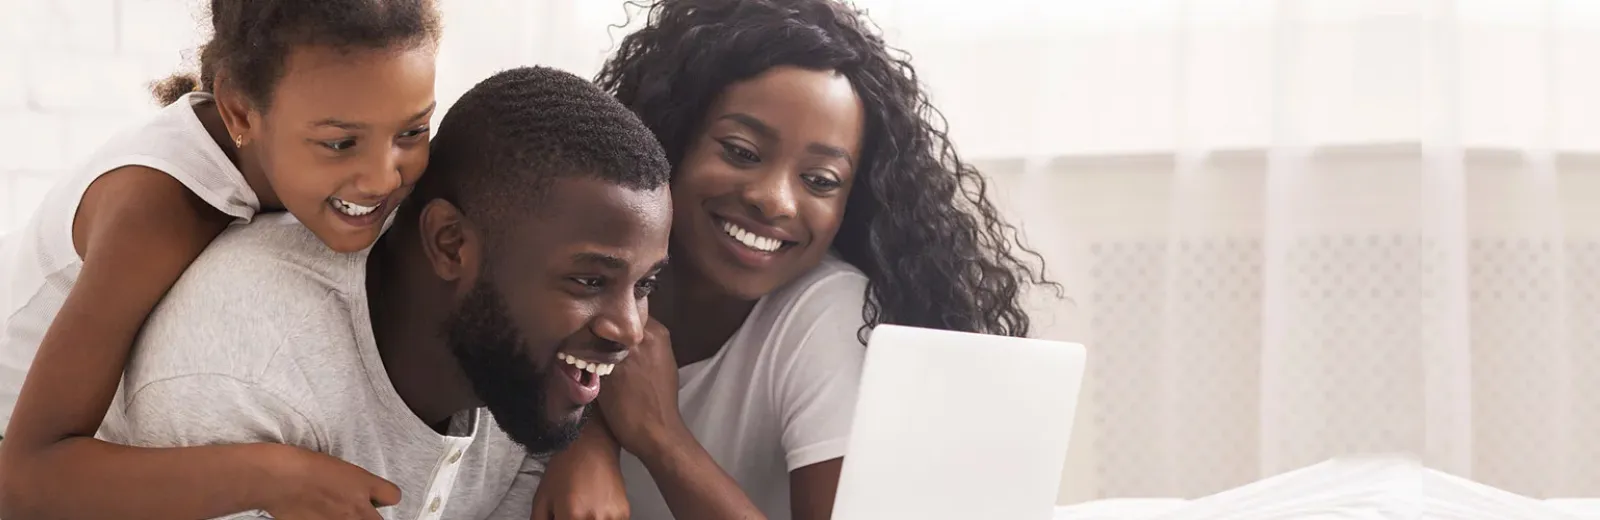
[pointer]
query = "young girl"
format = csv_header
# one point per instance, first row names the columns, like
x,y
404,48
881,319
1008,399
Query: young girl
x,y
316,107
814,196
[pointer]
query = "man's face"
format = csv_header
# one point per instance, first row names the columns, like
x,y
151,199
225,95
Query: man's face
x,y
564,288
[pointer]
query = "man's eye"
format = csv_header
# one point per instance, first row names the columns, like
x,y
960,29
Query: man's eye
x,y
645,287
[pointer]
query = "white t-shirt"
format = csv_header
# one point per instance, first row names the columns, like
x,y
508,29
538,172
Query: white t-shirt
x,y
266,338
778,396
38,263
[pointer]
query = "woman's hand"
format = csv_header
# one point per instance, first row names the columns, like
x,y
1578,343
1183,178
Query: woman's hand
x,y
640,403
584,482
639,400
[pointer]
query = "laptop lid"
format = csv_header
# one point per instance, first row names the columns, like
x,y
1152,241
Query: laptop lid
x,y
960,426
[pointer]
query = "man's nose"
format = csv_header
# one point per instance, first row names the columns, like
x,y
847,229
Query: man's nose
x,y
621,324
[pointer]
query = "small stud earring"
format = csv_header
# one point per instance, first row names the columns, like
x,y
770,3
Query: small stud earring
x,y
238,141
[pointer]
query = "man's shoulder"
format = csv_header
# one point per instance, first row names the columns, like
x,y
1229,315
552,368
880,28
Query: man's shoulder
x,y
247,302
272,272
274,247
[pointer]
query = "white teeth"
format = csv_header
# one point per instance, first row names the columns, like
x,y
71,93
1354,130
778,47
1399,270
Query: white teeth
x,y
600,369
751,240
351,208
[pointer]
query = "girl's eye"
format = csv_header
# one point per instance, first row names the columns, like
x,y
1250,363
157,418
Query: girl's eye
x,y
339,145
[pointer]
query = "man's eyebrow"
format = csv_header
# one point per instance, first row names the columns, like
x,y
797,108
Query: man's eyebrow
x,y
604,260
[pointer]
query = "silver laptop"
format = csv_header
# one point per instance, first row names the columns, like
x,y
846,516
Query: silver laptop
x,y
959,426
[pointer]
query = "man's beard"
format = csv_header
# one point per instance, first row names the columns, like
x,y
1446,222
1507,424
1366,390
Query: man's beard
x,y
494,357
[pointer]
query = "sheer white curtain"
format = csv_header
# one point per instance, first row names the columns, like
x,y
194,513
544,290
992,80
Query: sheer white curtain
x,y
1298,229
1289,229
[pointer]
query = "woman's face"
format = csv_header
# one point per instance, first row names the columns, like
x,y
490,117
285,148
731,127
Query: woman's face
x,y
761,190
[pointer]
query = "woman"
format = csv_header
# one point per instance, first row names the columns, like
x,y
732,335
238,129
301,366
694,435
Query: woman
x,y
814,198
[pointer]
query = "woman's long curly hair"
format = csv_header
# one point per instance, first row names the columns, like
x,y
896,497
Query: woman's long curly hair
x,y
918,223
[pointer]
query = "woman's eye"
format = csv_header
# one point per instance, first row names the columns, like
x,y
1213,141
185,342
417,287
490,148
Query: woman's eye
x,y
739,154
821,182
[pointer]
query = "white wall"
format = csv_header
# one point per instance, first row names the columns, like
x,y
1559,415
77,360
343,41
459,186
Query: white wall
x,y
71,73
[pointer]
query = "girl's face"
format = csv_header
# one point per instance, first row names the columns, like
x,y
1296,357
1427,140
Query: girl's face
x,y
346,137
761,191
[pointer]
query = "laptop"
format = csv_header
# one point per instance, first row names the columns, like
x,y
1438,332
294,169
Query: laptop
x,y
959,426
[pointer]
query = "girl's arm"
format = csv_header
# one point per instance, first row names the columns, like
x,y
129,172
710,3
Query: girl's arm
x,y
137,230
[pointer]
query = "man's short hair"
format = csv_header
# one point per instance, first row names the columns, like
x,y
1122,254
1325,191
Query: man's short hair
x,y
501,145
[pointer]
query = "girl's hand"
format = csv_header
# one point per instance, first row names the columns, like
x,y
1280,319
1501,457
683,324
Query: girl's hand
x,y
315,486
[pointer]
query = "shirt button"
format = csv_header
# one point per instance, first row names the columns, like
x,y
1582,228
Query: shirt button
x,y
433,507
454,457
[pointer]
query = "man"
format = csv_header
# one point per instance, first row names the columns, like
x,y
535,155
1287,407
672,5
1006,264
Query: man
x,y
513,280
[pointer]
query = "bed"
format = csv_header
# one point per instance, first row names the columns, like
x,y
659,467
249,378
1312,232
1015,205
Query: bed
x,y
1375,487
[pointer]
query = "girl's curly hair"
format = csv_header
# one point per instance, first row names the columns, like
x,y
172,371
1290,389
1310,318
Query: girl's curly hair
x,y
919,223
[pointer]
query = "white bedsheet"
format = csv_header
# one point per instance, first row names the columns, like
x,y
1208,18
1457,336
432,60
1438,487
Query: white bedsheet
x,y
1584,508
1153,508
1120,509
1377,487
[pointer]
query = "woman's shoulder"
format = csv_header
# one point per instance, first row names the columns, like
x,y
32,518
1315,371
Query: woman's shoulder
x,y
811,327
824,284
834,290
832,271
